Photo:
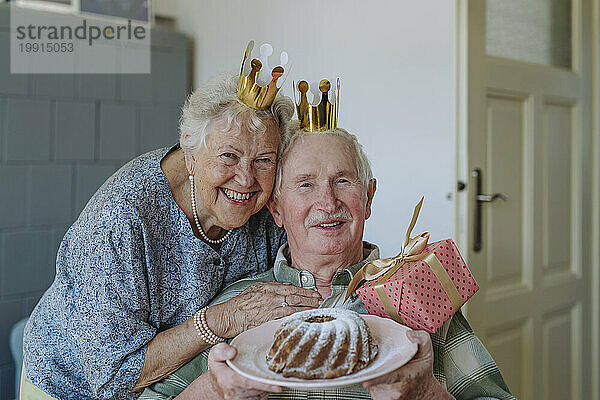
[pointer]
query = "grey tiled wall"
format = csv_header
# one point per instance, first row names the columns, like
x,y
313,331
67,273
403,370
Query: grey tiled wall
x,y
61,136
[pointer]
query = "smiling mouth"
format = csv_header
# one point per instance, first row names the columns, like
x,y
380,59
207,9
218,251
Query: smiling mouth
x,y
330,225
237,197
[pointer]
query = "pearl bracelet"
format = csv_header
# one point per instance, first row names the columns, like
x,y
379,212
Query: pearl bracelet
x,y
203,330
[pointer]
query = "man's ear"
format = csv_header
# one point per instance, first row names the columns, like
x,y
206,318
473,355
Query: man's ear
x,y
273,206
370,194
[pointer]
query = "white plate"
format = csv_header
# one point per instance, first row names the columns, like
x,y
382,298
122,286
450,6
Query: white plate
x,y
395,350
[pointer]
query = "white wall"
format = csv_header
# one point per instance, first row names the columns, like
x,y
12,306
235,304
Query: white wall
x,y
396,61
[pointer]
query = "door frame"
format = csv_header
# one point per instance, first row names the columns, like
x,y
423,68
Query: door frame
x,y
595,281
462,218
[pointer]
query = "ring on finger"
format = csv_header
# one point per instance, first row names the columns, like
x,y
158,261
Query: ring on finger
x,y
284,303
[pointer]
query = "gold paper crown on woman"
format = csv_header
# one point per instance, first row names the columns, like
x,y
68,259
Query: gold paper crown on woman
x,y
255,89
322,116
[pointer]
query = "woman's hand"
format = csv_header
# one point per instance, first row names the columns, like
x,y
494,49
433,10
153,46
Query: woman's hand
x,y
259,303
413,380
228,384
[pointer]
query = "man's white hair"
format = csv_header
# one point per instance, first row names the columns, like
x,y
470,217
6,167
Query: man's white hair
x,y
216,102
295,133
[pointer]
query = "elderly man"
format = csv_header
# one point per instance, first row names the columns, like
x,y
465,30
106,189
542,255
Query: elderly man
x,y
323,195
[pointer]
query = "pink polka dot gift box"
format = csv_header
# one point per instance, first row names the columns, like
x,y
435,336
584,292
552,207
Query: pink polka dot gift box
x,y
422,287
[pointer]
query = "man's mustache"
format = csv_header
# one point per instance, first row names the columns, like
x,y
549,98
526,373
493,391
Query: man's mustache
x,y
320,217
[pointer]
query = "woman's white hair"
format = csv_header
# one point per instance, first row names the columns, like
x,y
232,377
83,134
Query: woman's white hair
x,y
216,102
295,133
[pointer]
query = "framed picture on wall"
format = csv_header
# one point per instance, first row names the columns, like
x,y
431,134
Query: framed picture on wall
x,y
137,10
67,6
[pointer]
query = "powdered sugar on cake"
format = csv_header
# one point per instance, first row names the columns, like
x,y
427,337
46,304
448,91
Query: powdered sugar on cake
x,y
322,343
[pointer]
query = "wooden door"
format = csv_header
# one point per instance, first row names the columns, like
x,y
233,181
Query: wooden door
x,y
525,127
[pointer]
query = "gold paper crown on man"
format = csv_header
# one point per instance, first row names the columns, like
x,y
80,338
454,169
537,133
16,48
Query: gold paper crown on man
x,y
257,90
322,116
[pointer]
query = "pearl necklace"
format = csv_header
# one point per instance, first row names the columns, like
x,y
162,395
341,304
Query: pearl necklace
x,y
206,238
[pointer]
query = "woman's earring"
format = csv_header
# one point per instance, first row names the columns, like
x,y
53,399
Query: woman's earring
x,y
190,163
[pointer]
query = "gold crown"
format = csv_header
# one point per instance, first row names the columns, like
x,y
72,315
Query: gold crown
x,y
320,117
250,91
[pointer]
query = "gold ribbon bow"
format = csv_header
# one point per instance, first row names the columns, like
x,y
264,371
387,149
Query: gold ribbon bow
x,y
412,250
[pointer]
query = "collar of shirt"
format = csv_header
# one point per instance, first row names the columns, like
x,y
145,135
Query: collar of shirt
x,y
284,273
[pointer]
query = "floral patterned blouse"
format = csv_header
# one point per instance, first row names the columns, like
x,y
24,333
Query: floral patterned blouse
x,y
128,268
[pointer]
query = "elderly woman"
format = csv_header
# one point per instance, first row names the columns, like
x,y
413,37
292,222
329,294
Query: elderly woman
x,y
154,245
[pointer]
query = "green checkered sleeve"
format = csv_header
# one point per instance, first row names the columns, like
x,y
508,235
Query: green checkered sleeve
x,y
174,384
463,365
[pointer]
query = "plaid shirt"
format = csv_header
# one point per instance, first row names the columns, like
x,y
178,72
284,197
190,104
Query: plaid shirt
x,y
462,365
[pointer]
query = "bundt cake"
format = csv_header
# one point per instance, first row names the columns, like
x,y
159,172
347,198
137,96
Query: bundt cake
x,y
321,343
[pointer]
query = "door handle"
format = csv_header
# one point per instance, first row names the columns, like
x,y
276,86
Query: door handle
x,y
491,197
479,199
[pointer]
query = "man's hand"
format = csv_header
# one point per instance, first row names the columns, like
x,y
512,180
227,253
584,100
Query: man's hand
x,y
221,382
227,383
413,380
